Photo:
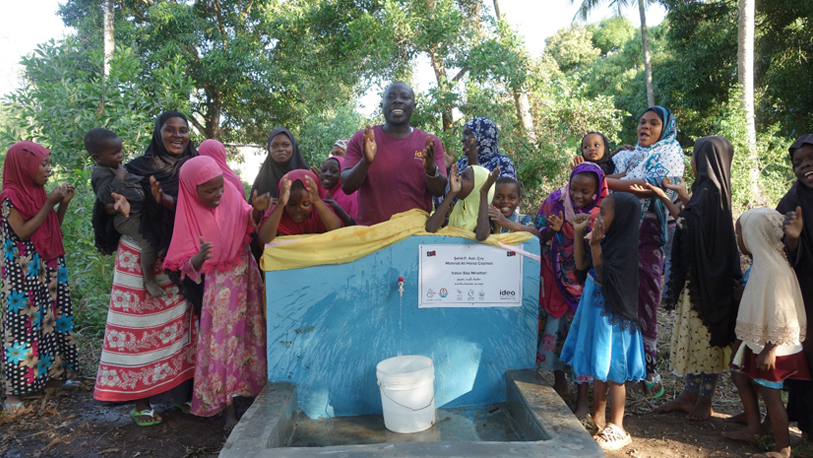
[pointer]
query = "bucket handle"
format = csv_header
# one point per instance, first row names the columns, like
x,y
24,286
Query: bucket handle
x,y
407,407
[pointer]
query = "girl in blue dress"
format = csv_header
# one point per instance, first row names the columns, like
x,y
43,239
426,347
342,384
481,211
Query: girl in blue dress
x,y
605,341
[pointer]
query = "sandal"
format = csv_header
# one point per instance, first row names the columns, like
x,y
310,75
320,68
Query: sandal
x,y
13,409
145,413
184,407
589,424
613,438
650,387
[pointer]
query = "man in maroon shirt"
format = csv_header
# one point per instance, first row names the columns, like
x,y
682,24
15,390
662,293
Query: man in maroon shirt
x,y
395,167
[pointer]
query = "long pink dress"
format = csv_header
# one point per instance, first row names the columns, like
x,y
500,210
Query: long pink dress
x,y
231,358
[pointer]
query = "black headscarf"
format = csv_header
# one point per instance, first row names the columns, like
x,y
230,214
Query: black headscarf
x,y
704,251
606,161
271,171
157,221
619,278
800,392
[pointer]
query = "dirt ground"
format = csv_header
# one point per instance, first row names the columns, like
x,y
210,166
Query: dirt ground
x,y
69,423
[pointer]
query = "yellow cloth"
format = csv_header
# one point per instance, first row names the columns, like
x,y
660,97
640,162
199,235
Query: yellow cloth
x,y
691,351
465,212
351,243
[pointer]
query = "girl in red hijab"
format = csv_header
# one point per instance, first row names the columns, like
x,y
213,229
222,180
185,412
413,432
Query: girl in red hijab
x,y
330,177
39,349
212,225
301,208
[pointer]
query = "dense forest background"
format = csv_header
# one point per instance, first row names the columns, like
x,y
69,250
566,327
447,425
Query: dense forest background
x,y
243,67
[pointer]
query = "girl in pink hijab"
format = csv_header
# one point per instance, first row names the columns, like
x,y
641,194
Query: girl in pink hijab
x,y
217,151
212,227
330,177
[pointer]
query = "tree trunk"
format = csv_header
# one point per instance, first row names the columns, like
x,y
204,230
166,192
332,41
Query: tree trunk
x,y
109,41
439,66
520,97
650,93
745,76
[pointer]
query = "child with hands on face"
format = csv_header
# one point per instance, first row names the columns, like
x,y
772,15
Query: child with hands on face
x,y
473,189
213,224
301,208
503,207
562,285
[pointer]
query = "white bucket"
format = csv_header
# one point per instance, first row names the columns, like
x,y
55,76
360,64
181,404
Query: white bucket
x,y
407,393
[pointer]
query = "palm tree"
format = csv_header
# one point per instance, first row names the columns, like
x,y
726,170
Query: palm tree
x,y
589,5
745,76
109,43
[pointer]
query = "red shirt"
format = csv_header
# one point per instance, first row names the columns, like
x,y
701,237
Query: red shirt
x,y
396,180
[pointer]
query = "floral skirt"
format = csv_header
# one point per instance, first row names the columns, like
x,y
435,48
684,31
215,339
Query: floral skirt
x,y
149,343
691,351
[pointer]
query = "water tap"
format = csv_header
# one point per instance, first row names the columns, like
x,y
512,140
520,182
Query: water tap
x,y
401,286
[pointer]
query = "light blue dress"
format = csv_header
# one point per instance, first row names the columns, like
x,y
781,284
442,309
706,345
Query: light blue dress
x,y
600,349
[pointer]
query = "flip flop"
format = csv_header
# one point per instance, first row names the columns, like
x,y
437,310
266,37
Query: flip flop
x,y
649,387
145,413
184,407
613,438
589,424
13,409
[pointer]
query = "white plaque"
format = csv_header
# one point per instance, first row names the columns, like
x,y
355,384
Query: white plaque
x,y
471,275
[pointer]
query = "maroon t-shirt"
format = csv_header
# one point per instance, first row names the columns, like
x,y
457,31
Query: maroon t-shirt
x,y
396,180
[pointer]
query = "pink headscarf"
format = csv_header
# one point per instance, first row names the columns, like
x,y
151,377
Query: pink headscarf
x,y
348,202
19,170
225,226
217,151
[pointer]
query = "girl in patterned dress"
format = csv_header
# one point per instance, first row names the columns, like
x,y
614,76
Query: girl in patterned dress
x,y
39,348
211,237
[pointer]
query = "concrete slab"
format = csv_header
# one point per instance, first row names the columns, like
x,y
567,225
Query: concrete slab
x,y
537,412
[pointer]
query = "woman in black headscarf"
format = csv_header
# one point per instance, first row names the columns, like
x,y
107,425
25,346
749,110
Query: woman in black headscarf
x,y
283,156
705,265
160,165
133,312
800,254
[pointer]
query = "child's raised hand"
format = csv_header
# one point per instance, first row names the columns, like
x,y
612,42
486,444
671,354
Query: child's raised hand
x,y
121,204
598,231
204,253
368,145
648,187
455,179
286,192
69,192
576,161
58,194
316,171
155,189
492,178
581,222
313,190
793,223
494,214
555,222
262,203
678,185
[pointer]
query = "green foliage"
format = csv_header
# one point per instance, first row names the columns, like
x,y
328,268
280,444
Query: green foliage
x,y
65,97
320,130
572,48
612,34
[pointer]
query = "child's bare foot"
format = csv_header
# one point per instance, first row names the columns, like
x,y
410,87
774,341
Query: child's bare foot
x,y
702,409
781,453
745,435
739,419
582,411
683,403
153,288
